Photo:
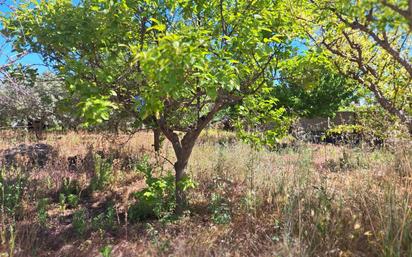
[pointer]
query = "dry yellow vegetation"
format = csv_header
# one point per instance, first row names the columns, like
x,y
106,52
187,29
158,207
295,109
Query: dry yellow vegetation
x,y
305,200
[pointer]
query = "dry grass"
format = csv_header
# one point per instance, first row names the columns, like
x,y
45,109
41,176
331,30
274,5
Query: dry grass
x,y
312,200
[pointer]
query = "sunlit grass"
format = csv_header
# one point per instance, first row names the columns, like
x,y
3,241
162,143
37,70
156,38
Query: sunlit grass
x,y
309,200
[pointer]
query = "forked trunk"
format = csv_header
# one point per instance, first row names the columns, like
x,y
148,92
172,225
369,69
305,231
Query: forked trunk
x,y
183,149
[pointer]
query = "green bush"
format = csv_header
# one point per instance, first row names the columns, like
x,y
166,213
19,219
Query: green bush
x,y
79,222
104,220
72,200
42,210
69,194
70,186
157,200
103,173
106,251
11,192
221,213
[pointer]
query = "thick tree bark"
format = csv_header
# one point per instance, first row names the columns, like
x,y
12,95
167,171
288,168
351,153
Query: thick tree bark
x,y
183,149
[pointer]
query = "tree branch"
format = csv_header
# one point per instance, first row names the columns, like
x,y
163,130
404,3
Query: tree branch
x,y
407,14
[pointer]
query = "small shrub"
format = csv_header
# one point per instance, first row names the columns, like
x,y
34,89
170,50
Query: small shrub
x,y
250,201
11,192
72,200
69,193
220,210
42,210
219,201
157,200
104,220
98,222
110,217
103,173
62,201
106,251
79,222
70,186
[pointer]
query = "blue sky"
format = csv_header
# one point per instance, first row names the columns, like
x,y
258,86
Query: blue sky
x,y
35,59
6,51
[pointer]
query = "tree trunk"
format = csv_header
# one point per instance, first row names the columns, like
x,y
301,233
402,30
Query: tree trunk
x,y
156,139
183,151
183,154
181,201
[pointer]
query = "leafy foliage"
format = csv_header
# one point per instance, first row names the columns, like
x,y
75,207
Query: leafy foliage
x,y
260,121
307,83
105,220
158,198
80,222
39,98
369,42
103,170
94,61
11,192
111,57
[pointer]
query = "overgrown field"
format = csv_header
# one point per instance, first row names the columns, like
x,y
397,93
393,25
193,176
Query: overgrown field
x,y
111,195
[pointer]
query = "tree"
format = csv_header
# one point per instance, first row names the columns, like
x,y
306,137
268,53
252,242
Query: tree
x,y
369,42
188,60
14,78
308,83
217,54
37,100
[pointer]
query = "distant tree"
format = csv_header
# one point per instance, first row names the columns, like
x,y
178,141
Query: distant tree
x,y
24,95
368,41
260,120
12,82
311,86
37,99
